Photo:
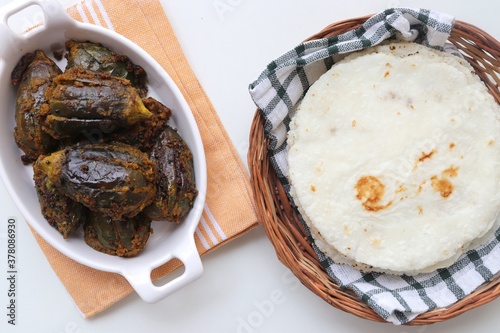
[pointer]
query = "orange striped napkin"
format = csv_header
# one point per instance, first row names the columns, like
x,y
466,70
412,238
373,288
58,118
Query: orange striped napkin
x,y
229,210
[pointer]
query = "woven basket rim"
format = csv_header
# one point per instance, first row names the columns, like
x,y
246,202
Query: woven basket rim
x,y
284,229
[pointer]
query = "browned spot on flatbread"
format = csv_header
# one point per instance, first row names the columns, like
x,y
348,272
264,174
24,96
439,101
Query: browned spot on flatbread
x,y
451,171
371,192
443,186
425,155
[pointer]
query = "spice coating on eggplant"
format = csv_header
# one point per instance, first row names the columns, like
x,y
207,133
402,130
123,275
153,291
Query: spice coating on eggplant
x,y
80,101
114,179
176,186
123,237
144,134
97,57
62,213
32,76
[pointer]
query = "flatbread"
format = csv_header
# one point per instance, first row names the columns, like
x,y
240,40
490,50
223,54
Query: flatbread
x,y
394,159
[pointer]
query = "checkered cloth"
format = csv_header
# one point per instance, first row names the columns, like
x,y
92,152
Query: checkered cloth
x,y
397,299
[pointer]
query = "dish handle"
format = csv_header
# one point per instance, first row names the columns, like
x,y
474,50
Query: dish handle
x,y
54,16
141,281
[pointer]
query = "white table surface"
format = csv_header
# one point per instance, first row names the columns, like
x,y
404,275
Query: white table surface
x,y
228,43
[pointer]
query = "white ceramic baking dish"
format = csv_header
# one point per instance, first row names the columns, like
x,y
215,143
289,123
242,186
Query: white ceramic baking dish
x,y
169,240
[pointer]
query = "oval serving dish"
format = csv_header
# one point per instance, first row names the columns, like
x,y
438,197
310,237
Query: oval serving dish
x,y
169,240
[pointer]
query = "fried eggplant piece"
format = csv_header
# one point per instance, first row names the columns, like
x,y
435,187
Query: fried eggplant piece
x,y
176,186
61,212
144,134
82,101
32,75
97,57
124,237
115,179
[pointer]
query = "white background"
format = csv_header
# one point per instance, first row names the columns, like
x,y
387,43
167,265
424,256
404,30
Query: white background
x,y
244,287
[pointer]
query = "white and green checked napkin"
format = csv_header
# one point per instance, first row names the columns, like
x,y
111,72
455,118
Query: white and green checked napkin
x,y
397,299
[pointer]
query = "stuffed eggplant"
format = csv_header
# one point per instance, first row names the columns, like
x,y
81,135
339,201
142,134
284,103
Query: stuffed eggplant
x,y
80,102
32,76
176,186
60,211
97,57
116,179
124,237
144,134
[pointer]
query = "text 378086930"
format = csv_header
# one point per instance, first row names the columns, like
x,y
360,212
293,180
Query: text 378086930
x,y
11,271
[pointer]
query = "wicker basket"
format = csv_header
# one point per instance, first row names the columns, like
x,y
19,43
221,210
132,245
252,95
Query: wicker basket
x,y
284,229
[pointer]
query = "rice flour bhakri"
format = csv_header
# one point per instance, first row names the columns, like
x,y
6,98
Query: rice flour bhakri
x,y
394,159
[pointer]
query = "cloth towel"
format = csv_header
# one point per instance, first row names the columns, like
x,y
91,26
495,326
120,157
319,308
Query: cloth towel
x,y
229,211
397,299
